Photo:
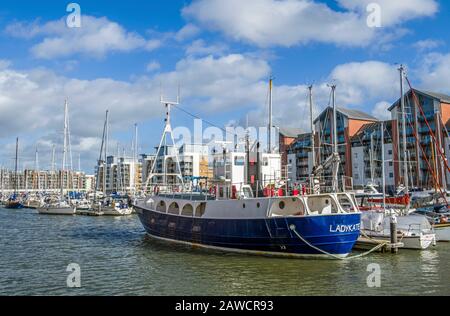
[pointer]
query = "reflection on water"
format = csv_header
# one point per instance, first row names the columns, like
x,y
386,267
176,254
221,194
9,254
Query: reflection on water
x,y
117,258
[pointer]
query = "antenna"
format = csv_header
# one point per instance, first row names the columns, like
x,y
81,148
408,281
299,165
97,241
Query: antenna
x,y
164,145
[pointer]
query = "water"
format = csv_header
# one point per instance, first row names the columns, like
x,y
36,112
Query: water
x,y
117,258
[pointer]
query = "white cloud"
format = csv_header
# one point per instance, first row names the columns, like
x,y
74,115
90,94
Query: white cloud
x,y
360,82
187,32
96,37
199,47
37,97
381,112
4,63
394,12
292,22
153,66
435,72
427,45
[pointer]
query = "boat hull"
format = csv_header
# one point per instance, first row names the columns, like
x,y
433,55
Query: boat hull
x,y
57,210
442,232
270,236
421,242
109,211
14,205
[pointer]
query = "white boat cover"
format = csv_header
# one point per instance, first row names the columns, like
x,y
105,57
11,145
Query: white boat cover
x,y
378,222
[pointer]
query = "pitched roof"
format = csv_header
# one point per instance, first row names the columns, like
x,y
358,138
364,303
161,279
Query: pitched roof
x,y
440,96
351,114
435,95
371,127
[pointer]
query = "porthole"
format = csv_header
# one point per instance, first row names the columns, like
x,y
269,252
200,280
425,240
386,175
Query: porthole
x,y
243,205
282,205
258,205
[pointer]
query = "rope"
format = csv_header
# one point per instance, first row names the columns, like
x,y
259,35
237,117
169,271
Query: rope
x,y
293,228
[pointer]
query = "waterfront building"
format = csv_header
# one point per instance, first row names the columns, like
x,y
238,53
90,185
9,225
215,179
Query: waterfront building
x,y
367,159
422,151
123,174
44,180
348,123
299,155
287,136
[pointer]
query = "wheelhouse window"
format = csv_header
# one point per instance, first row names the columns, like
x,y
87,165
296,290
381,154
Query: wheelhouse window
x,y
346,204
322,205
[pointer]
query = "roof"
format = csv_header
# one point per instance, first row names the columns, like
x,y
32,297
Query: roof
x,y
371,127
351,114
435,95
290,131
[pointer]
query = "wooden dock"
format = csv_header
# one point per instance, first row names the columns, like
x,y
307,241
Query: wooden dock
x,y
365,244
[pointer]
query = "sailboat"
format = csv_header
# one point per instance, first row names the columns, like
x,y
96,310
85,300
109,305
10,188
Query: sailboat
x,y
109,205
414,231
60,206
13,202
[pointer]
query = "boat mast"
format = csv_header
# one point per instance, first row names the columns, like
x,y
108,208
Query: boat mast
x,y
15,168
163,145
270,116
36,168
313,133
383,175
105,150
335,140
64,151
372,155
405,159
135,158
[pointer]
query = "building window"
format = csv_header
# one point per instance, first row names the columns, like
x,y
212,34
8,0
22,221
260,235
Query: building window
x,y
356,155
391,164
391,175
390,152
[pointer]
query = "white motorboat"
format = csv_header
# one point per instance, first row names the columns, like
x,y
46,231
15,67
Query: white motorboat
x,y
442,232
113,208
414,231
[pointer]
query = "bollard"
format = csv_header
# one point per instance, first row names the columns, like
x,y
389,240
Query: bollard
x,y
394,240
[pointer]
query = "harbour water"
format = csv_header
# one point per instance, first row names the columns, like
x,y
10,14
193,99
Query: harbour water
x,y
117,258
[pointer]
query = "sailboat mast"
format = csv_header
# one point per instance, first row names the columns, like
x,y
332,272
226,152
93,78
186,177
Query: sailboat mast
x,y
383,175
372,155
269,131
335,138
106,139
402,102
313,133
135,143
36,168
64,150
15,167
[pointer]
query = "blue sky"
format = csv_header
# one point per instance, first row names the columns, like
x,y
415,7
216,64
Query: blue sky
x,y
220,52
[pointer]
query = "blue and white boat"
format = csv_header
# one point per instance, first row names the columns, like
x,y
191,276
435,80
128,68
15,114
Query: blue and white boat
x,y
298,226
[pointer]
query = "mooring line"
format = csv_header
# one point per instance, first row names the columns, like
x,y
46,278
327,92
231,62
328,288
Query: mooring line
x,y
294,229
